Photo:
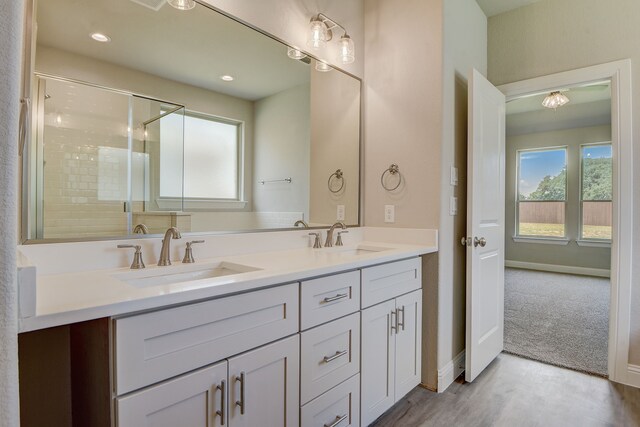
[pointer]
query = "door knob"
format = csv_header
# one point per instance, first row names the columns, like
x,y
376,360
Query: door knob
x,y
481,241
465,241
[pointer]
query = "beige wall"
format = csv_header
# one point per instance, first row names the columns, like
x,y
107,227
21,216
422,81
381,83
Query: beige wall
x,y
281,150
335,144
558,35
572,254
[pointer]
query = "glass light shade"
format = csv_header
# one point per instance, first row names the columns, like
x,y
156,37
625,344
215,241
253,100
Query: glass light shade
x,y
555,100
323,67
347,50
182,4
295,53
318,34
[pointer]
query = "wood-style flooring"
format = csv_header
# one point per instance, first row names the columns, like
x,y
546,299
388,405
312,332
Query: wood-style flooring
x,y
518,392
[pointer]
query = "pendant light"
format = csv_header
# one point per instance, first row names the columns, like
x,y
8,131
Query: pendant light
x,y
321,31
554,100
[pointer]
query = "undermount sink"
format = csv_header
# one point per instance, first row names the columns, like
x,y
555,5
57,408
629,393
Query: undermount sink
x,y
361,250
182,273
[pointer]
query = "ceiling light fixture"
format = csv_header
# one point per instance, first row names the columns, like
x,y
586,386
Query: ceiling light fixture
x,y
554,100
227,78
102,38
182,4
294,53
321,31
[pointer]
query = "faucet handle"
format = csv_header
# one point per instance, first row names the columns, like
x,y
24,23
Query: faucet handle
x,y
188,254
339,239
316,243
137,263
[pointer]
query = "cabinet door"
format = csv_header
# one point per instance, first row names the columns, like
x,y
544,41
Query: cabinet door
x,y
378,360
264,386
193,400
408,343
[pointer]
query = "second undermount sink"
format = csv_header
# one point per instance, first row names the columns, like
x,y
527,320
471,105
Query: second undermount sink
x,y
182,273
361,250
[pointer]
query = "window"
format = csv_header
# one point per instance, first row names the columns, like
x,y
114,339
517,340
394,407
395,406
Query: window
x,y
211,158
596,191
542,193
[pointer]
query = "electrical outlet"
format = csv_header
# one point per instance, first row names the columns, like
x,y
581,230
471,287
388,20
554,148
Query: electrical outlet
x,y
454,176
389,213
340,213
453,206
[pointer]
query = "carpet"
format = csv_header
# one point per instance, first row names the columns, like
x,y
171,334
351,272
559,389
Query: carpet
x,y
561,319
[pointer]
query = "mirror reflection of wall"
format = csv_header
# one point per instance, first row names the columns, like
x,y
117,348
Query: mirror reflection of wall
x,y
209,126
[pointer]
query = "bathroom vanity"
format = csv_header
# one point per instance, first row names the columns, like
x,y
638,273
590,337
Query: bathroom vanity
x,y
300,336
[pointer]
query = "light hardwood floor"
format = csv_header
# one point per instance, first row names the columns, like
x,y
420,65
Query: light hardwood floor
x,y
518,392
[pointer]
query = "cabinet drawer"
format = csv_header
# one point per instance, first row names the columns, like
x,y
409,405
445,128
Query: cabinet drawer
x,y
341,402
387,281
329,354
328,298
155,346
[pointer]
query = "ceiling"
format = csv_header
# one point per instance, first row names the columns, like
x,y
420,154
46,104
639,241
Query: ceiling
x,y
496,7
195,47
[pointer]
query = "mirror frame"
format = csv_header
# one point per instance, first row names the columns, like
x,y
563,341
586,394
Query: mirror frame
x,y
26,167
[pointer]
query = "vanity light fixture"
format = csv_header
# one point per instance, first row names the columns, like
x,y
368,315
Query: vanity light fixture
x,y
323,67
321,31
294,53
182,4
555,99
102,38
227,78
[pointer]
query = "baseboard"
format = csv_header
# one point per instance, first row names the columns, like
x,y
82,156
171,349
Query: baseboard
x,y
583,271
451,371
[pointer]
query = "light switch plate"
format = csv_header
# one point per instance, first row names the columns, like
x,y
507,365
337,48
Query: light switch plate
x,y
454,176
389,213
453,205
340,213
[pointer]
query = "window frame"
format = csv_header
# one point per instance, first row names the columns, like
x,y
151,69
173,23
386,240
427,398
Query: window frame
x,y
210,203
588,241
541,238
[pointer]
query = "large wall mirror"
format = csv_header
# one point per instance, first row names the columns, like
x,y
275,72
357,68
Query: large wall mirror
x,y
145,116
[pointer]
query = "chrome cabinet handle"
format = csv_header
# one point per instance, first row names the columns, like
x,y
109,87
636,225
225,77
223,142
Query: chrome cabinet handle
x,y
394,321
222,412
335,298
481,241
328,359
400,310
338,420
241,402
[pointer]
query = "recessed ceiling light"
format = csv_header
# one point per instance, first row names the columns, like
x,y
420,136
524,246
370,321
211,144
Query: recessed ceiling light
x,y
102,38
227,78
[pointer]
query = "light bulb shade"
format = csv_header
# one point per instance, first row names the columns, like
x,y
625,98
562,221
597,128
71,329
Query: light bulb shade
x,y
318,34
347,50
323,67
182,4
555,100
294,53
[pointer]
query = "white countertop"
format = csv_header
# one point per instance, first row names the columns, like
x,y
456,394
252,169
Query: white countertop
x,y
72,297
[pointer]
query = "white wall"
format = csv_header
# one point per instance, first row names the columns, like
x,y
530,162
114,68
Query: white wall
x,y
11,26
526,43
281,150
570,255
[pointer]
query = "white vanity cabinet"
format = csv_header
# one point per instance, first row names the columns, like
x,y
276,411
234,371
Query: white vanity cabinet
x,y
391,336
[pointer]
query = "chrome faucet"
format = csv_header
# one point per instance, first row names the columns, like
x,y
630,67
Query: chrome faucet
x,y
165,252
329,242
140,229
302,223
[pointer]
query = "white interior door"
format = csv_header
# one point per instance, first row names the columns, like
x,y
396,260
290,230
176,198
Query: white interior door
x,y
485,225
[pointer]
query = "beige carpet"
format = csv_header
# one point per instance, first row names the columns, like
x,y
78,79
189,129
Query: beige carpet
x,y
560,319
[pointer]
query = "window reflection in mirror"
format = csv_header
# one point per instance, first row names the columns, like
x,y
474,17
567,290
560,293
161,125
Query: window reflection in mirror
x,y
143,129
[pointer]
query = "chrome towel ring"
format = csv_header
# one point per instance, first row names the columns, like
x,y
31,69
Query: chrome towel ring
x,y
392,170
338,174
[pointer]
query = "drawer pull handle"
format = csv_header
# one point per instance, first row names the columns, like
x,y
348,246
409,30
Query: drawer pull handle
x,y
338,420
335,298
394,322
222,387
401,324
241,402
328,359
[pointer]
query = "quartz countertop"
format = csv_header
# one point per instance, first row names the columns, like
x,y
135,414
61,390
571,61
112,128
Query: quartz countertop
x,y
71,297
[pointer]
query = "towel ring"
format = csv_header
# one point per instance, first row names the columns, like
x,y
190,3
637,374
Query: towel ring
x,y
339,175
393,170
